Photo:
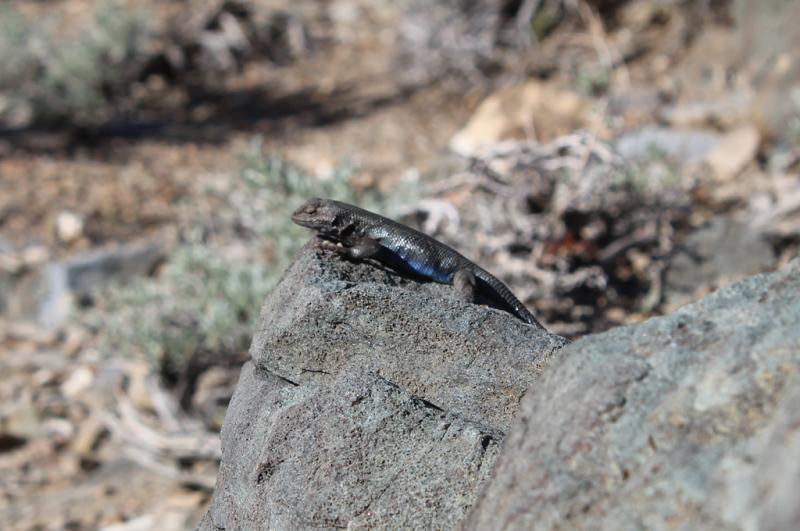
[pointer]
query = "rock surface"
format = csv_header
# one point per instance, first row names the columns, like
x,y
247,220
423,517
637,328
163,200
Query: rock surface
x,y
716,255
375,401
686,421
371,400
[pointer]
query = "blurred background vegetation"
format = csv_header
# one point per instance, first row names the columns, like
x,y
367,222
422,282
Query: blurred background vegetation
x,y
609,159
55,79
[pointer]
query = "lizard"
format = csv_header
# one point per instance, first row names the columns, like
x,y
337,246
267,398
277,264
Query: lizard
x,y
359,234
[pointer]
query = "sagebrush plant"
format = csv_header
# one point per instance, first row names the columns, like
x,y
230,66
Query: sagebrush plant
x,y
205,303
200,303
75,78
593,80
15,52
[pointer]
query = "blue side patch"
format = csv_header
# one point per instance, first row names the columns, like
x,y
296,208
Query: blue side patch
x,y
428,271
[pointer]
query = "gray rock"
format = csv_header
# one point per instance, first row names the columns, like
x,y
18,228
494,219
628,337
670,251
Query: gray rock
x,y
360,451
684,145
688,421
371,400
327,314
725,110
79,275
640,99
88,271
771,472
718,254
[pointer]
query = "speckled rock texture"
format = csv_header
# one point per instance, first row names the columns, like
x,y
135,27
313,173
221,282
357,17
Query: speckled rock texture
x,y
371,401
690,421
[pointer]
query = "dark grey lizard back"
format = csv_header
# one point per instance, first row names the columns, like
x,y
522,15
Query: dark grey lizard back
x,y
411,251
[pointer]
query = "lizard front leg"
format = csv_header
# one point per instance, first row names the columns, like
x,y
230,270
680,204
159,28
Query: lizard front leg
x,y
361,248
357,248
464,284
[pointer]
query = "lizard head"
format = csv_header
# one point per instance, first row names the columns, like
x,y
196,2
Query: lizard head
x,y
320,215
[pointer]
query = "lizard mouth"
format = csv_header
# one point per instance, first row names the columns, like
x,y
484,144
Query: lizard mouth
x,y
299,218
304,216
303,211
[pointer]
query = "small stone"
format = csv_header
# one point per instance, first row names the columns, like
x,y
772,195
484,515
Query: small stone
x,y
10,263
80,380
22,422
140,523
534,110
636,105
22,330
58,429
43,377
616,315
35,255
178,511
73,341
781,159
69,226
725,111
138,390
80,275
734,151
89,433
682,145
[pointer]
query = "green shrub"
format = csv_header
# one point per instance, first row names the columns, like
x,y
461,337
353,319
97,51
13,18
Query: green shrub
x,y
77,79
200,303
593,80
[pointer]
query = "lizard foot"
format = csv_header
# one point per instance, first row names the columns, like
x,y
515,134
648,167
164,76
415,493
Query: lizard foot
x,y
464,284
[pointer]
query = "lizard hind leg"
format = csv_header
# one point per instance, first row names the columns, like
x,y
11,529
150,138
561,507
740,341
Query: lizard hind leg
x,y
464,284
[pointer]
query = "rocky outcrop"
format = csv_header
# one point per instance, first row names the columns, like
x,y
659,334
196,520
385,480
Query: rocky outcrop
x,y
371,400
687,421
376,401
